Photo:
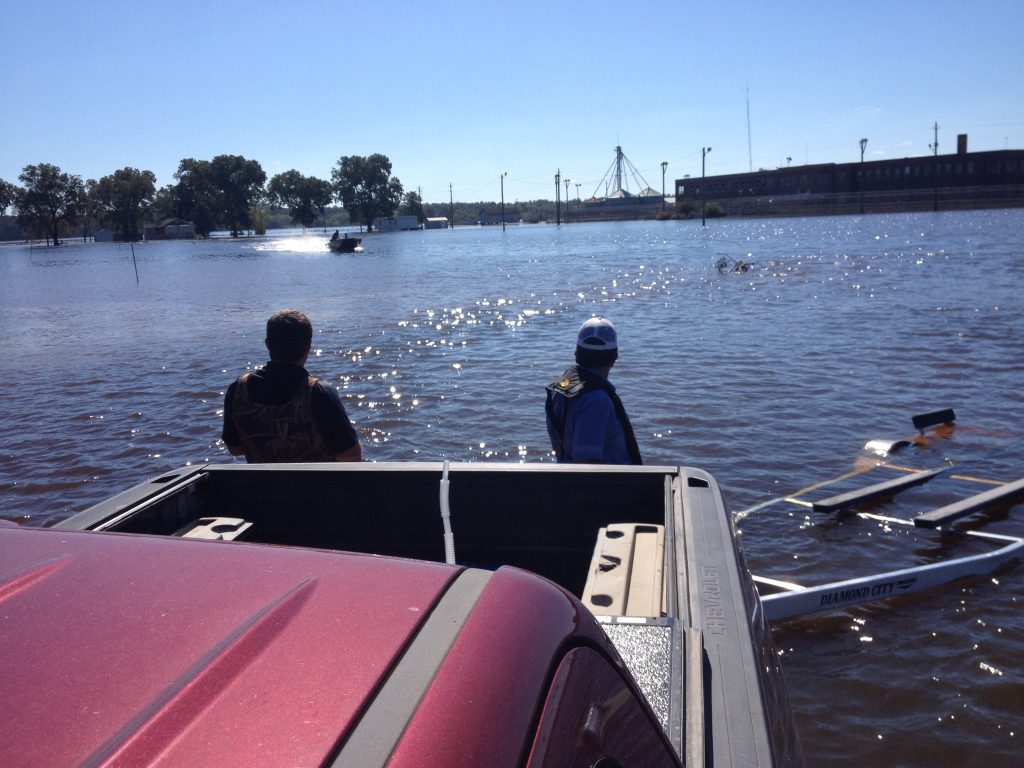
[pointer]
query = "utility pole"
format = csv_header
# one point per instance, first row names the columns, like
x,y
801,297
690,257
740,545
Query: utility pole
x,y
566,182
934,147
664,165
703,194
451,207
578,213
502,178
558,209
863,144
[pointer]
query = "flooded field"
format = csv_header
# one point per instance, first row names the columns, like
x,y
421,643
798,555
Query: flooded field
x,y
441,343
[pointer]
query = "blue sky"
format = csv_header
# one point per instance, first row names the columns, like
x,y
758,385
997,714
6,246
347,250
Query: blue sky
x,y
459,92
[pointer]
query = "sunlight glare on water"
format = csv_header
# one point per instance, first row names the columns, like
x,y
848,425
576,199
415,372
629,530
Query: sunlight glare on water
x,y
306,243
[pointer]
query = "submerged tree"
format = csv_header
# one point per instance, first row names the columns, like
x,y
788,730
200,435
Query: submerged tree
x,y
366,188
165,204
412,205
122,200
219,191
196,196
305,197
241,183
260,216
49,199
8,194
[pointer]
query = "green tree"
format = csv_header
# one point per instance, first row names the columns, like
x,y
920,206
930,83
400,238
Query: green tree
x,y
122,200
196,195
366,188
91,210
241,184
260,216
164,205
412,205
49,199
219,191
8,194
305,197
713,210
9,229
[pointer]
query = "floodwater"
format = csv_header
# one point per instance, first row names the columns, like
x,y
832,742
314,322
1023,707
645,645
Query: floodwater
x,y
441,343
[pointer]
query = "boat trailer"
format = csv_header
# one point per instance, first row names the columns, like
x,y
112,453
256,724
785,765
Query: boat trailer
x,y
782,599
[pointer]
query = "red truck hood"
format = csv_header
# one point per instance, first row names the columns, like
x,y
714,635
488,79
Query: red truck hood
x,y
144,650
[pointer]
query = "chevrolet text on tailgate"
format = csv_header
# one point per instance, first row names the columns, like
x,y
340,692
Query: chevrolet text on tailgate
x,y
390,614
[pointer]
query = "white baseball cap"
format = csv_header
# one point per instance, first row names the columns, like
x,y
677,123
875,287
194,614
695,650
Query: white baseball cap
x,y
597,333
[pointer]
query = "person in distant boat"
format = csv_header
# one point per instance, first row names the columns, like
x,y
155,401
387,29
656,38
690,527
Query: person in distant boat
x,y
586,420
279,412
335,237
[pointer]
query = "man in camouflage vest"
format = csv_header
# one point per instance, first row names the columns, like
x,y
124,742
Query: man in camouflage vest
x,y
279,413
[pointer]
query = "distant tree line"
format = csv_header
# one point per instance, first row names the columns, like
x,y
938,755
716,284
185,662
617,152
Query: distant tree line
x,y
228,192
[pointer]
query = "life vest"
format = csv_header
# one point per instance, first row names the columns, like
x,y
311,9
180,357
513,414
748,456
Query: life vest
x,y
575,381
285,433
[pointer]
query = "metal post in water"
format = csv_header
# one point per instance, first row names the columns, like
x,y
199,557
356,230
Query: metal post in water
x,y
703,194
502,178
664,165
863,144
558,210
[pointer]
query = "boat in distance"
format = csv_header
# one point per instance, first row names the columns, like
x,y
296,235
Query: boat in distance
x,y
392,613
344,244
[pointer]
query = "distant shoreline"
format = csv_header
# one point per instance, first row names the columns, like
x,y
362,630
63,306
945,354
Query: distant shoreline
x,y
778,206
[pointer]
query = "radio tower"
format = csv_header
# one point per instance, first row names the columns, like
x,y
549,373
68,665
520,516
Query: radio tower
x,y
617,176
